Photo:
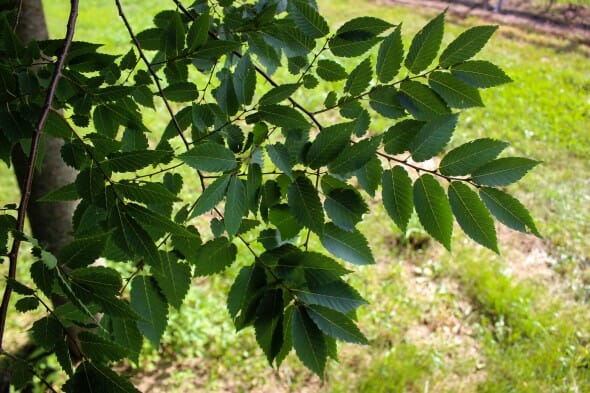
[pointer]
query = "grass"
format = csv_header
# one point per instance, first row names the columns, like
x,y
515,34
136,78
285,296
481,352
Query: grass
x,y
466,321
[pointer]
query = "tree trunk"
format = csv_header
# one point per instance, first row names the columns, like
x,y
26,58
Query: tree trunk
x,y
51,222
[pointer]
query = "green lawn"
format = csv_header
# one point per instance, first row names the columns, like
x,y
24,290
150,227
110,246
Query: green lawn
x,y
469,321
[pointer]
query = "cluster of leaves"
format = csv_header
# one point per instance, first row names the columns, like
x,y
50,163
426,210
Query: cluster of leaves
x,y
272,174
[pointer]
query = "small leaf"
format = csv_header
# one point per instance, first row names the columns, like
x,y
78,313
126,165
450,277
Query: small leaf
x,y
345,207
336,325
503,171
433,137
278,94
421,101
211,196
390,56
479,73
350,246
472,215
384,100
181,92
46,332
209,157
135,160
308,19
147,301
235,206
173,277
245,80
457,94
148,193
354,157
359,78
99,349
398,138
466,45
214,256
466,158
308,342
330,71
397,196
508,210
433,208
425,45
336,295
280,156
26,304
305,204
328,144
283,116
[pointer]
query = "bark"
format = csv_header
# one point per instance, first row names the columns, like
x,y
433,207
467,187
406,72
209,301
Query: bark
x,y
50,222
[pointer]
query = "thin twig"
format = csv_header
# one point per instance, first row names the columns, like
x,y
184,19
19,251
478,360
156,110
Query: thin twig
x,y
28,182
152,73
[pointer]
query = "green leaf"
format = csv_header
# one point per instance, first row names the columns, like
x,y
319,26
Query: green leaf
x,y
46,332
425,45
235,206
390,56
242,297
150,219
310,81
211,196
354,157
308,19
433,137
305,204
269,323
472,215
92,377
68,192
26,304
147,301
457,94
345,207
287,336
503,171
466,45
359,78
508,210
308,342
350,246
284,117
18,287
282,218
398,138
466,158
173,277
319,269
83,251
278,94
126,334
433,208
209,157
421,101
148,193
98,280
181,92
336,295
214,256
330,71
481,74
397,196
99,349
336,325
369,176
328,144
353,43
198,32
279,155
244,79
131,161
384,100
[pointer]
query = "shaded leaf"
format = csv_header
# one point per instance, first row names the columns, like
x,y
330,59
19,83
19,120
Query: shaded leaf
x,y
147,301
308,342
100,349
211,196
350,246
278,94
336,295
328,144
425,45
209,157
308,19
503,171
235,206
214,256
433,137
390,56
508,210
131,161
421,101
398,138
95,378
359,78
345,207
336,325
456,93
354,157
305,204
466,45
173,278
330,71
397,196
480,73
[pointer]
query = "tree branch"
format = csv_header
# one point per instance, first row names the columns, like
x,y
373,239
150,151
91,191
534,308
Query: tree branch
x,y
26,194
152,73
